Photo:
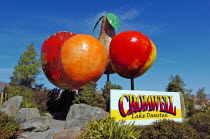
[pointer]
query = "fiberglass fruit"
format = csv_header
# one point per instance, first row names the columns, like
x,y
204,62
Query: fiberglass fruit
x,y
83,59
51,51
132,54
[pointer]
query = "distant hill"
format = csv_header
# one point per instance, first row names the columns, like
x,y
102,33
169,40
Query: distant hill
x,y
3,85
207,96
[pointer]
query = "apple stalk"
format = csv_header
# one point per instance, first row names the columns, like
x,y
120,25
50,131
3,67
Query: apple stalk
x,y
107,32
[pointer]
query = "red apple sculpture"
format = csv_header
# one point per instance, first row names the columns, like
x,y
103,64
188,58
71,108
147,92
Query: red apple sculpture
x,y
83,59
132,54
51,50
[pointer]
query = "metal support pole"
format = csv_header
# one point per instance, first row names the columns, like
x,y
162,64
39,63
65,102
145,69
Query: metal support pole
x,y
107,77
132,84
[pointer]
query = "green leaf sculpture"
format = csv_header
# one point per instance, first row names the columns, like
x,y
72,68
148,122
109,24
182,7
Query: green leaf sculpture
x,y
113,20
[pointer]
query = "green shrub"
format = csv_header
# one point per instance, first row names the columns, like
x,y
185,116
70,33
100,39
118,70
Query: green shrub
x,y
32,98
205,108
107,128
201,122
26,93
106,93
168,129
87,94
28,104
189,101
8,126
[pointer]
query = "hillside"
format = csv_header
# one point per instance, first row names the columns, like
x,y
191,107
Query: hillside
x,y
207,96
3,85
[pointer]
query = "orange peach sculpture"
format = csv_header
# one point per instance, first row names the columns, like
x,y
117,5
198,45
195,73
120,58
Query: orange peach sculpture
x,y
83,59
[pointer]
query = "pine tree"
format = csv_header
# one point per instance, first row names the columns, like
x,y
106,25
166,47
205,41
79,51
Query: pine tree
x,y
189,100
174,87
87,95
177,84
106,92
201,96
27,70
177,81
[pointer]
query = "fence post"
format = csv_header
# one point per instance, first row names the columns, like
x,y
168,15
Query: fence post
x,y
1,98
5,97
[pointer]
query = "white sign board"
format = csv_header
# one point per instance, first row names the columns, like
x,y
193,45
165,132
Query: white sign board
x,y
144,107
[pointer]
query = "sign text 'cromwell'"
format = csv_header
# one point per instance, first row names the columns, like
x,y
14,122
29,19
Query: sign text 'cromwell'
x,y
143,103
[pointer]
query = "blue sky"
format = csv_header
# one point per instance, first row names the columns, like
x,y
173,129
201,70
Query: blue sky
x,y
180,30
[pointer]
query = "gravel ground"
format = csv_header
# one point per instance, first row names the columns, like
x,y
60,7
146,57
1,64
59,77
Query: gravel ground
x,y
56,126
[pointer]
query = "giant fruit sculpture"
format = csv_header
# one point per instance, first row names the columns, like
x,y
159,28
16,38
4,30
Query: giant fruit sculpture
x,y
51,50
83,59
132,54
71,60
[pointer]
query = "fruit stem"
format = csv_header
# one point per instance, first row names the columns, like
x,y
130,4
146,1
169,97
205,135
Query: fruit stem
x,y
107,32
132,84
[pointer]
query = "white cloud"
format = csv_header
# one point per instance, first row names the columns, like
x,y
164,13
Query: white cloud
x,y
166,60
94,18
6,70
5,56
126,26
129,14
150,28
131,19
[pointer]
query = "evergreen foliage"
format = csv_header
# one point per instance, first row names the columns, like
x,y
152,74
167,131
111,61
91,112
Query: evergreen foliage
x,y
200,95
87,94
174,87
177,79
201,122
189,102
177,84
8,126
106,92
169,129
27,70
26,93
